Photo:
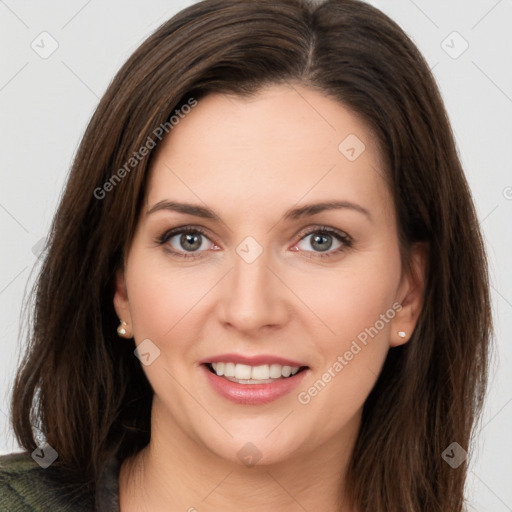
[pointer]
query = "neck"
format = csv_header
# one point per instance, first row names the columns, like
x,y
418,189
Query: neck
x,y
175,473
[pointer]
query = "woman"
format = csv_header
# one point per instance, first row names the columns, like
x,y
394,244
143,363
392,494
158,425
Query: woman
x,y
265,286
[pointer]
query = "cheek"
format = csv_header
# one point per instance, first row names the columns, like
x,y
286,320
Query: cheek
x,y
160,297
355,305
165,305
351,361
353,297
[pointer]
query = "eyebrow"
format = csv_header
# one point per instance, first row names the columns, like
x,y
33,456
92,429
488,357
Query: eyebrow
x,y
292,214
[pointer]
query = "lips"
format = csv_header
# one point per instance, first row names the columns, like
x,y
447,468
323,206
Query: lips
x,y
252,380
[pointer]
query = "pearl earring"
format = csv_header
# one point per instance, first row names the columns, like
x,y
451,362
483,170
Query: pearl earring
x,y
401,334
121,330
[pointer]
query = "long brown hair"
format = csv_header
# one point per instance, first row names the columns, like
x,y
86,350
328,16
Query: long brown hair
x,y
82,386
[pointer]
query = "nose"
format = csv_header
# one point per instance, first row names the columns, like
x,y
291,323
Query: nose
x,y
253,298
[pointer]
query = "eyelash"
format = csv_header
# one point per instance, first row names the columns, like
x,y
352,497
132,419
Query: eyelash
x,y
342,237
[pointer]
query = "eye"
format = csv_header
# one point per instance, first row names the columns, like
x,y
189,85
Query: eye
x,y
186,242
324,241
190,242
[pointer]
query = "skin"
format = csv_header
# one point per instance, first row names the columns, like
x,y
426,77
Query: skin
x,y
250,161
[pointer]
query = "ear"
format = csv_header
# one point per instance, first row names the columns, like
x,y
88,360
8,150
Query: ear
x,y
410,296
121,302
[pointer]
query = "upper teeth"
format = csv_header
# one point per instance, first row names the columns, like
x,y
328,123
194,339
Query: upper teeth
x,y
246,372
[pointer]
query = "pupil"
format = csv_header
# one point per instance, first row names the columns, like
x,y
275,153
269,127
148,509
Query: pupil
x,y
190,242
321,242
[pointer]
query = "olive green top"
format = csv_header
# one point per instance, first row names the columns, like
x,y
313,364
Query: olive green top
x,y
26,487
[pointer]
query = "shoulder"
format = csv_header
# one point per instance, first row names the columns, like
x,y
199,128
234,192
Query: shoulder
x,y
27,487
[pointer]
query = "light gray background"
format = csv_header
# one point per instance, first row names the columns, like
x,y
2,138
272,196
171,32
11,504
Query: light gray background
x,y
45,105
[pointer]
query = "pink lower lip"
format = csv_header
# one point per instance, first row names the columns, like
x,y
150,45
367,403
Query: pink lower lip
x,y
252,394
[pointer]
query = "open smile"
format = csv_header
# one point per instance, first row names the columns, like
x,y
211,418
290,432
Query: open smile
x,y
253,384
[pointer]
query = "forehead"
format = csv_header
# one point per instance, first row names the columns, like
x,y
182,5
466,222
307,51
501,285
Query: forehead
x,y
284,145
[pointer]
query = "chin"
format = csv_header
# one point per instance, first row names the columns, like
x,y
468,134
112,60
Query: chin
x,y
255,447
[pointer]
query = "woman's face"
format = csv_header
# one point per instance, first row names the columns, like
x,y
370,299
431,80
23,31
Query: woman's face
x,y
267,244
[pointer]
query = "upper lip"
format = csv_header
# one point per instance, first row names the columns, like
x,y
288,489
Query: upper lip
x,y
252,360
